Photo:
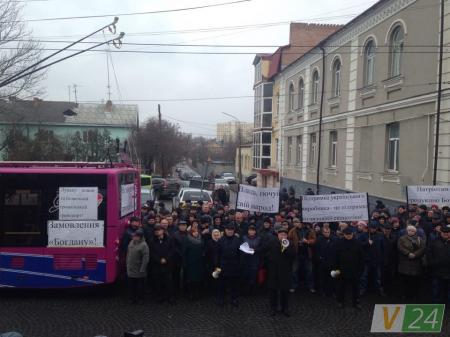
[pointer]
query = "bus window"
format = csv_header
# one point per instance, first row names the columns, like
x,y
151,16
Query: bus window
x,y
29,201
146,181
128,194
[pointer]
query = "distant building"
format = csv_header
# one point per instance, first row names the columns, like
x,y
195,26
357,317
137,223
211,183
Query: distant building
x,y
228,132
65,119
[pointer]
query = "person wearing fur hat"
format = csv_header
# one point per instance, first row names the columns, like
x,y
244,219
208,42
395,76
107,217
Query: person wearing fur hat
x,y
281,254
137,260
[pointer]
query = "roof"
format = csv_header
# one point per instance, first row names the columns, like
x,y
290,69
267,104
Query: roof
x,y
34,111
37,111
341,29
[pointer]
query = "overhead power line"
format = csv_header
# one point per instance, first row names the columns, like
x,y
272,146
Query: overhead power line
x,y
224,53
136,13
229,45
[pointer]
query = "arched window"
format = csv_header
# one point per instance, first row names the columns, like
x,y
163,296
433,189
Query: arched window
x,y
291,97
315,87
396,41
301,94
369,62
336,85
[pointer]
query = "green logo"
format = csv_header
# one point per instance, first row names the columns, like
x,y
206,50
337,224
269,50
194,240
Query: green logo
x,y
408,318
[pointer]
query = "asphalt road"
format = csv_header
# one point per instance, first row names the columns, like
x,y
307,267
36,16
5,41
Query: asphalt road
x,y
88,314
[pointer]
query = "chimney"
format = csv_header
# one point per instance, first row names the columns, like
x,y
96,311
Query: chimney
x,y
108,106
36,102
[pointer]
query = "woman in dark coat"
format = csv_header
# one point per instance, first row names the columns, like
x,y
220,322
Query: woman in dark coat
x,y
211,260
193,259
411,249
279,276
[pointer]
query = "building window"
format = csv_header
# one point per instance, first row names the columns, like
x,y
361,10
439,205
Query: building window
x,y
369,62
289,150
393,131
258,75
312,149
396,50
291,97
315,87
299,150
301,94
336,85
333,148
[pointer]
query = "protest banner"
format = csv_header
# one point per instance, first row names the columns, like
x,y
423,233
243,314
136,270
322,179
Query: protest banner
x,y
75,233
78,203
428,195
258,199
335,207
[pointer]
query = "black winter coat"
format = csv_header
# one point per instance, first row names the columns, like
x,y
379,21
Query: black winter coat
x,y
228,256
279,275
348,258
439,257
325,249
159,249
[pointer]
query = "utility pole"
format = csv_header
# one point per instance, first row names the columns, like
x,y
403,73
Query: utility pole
x,y
438,112
75,92
239,153
160,136
320,122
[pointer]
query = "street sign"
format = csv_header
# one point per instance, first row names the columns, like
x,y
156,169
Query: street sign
x,y
406,318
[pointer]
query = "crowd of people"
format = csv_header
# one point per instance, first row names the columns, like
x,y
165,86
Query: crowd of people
x,y
196,250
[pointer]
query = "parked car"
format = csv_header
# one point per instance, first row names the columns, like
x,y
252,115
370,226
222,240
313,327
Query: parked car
x,y
147,194
165,187
229,177
250,178
191,195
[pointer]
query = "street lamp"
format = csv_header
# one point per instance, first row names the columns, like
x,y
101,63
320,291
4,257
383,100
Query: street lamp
x,y
240,145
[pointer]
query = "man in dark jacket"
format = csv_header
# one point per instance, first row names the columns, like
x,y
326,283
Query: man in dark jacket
x,y
162,251
281,254
439,257
228,258
372,245
390,260
325,248
348,263
178,239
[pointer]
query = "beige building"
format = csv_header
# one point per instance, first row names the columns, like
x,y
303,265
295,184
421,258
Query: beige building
x,y
246,158
378,106
228,132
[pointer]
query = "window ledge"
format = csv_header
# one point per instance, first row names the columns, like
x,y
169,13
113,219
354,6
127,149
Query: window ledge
x,y
368,91
334,101
365,176
393,83
390,177
300,111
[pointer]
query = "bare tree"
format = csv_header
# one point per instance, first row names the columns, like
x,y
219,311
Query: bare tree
x,y
18,51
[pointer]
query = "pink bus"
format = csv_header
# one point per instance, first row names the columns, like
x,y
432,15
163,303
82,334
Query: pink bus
x,y
60,223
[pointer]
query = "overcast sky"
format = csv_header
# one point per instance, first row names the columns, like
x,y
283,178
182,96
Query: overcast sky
x,y
174,76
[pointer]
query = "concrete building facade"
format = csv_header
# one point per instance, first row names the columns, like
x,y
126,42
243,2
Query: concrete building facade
x,y
228,132
380,79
